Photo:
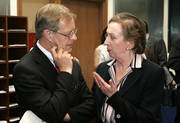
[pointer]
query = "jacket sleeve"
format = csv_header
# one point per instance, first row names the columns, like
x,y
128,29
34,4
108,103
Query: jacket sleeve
x,y
84,111
161,53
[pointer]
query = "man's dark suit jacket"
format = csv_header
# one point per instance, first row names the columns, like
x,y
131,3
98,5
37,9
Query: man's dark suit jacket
x,y
49,94
174,63
139,99
158,49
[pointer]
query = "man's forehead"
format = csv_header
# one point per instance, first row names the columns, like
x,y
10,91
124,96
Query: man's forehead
x,y
66,25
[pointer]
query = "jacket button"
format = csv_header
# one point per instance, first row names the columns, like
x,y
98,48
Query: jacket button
x,y
118,116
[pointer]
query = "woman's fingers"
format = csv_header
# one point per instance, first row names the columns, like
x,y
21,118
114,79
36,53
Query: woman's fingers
x,y
99,80
96,81
111,83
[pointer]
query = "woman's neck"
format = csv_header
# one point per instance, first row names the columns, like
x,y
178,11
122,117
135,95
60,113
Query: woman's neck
x,y
124,62
121,67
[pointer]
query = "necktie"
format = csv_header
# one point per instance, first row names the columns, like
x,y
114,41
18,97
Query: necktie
x,y
57,69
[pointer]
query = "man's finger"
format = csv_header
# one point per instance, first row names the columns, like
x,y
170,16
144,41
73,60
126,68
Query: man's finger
x,y
53,51
60,51
76,59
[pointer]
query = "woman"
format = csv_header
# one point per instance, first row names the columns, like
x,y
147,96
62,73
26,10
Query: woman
x,y
128,89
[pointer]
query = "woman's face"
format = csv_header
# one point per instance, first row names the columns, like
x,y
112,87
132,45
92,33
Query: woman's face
x,y
116,44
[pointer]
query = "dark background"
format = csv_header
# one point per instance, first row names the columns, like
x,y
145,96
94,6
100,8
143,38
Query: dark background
x,y
174,20
149,10
152,12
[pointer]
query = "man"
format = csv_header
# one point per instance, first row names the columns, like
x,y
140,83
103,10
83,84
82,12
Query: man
x,y
53,95
174,58
155,49
174,63
156,52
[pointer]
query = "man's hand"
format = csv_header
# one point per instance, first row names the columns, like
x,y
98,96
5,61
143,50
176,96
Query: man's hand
x,y
67,118
107,89
76,59
62,59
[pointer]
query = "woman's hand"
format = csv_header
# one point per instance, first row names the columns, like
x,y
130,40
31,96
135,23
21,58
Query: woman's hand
x,y
107,89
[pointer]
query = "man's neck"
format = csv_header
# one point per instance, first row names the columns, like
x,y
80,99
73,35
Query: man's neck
x,y
45,44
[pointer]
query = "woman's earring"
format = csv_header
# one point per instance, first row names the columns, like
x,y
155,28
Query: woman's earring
x,y
127,48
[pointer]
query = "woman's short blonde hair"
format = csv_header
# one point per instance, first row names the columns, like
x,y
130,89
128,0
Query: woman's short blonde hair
x,y
133,30
48,17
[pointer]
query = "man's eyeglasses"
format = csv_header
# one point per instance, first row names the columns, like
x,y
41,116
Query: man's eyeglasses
x,y
69,35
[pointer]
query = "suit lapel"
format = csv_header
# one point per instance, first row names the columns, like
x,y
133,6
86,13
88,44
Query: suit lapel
x,y
44,64
131,80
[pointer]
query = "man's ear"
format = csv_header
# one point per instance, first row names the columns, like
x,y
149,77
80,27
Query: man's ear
x,y
47,34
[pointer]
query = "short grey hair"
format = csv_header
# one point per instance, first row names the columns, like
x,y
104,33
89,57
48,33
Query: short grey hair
x,y
48,17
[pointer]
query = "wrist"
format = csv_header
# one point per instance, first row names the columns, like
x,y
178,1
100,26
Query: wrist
x,y
67,70
67,118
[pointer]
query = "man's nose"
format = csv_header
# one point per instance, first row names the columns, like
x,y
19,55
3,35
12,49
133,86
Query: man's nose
x,y
74,37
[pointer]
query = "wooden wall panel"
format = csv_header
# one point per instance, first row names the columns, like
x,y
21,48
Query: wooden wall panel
x,y
19,7
90,23
55,1
29,9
